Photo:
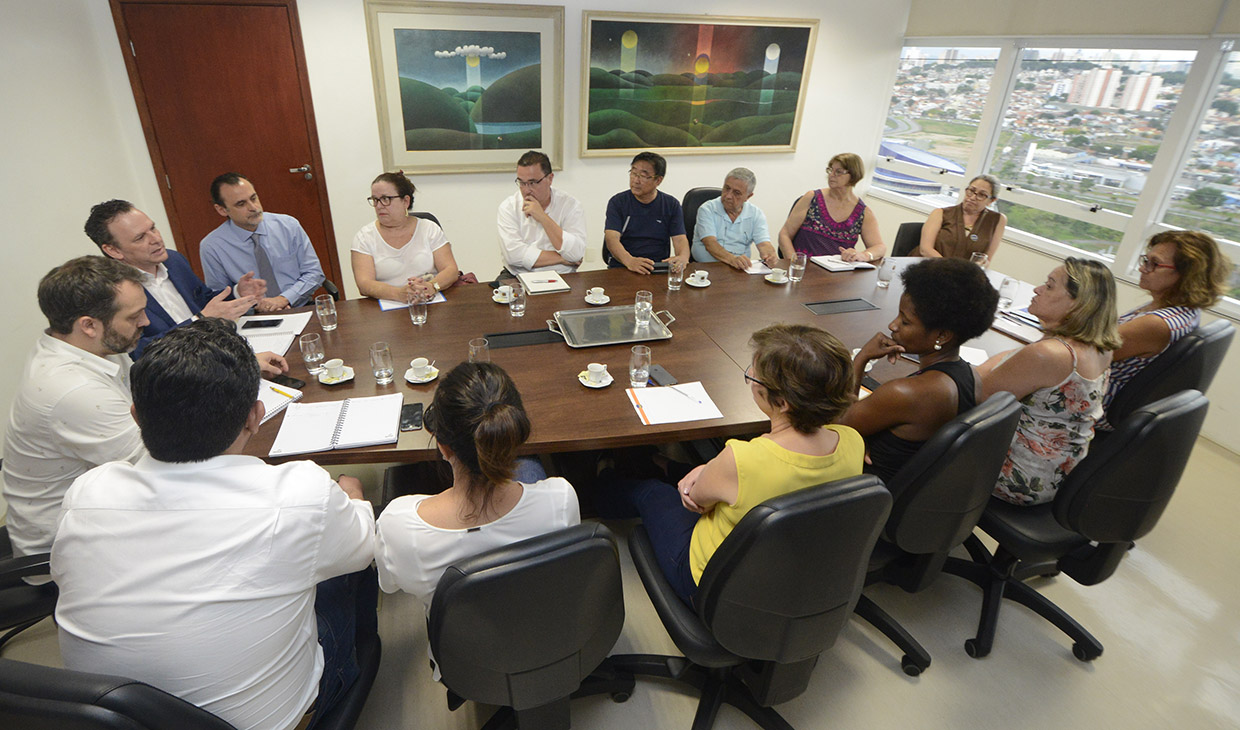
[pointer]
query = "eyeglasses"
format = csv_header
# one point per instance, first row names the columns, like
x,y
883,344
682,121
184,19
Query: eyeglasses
x,y
836,171
641,175
385,200
1148,264
529,183
751,379
974,192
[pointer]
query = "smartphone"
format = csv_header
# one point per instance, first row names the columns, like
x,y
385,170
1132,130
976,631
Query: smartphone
x,y
255,324
660,376
286,380
411,417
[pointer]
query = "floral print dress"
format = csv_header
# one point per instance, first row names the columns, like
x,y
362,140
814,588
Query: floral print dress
x,y
1055,428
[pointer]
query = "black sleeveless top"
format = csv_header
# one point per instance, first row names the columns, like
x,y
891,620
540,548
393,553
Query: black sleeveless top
x,y
890,452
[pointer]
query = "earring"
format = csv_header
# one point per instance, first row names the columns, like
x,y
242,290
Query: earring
x,y
937,345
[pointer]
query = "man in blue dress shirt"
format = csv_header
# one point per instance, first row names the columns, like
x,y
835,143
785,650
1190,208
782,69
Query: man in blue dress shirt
x,y
642,222
727,225
272,246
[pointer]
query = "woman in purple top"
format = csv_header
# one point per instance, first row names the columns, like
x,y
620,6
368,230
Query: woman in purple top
x,y
830,220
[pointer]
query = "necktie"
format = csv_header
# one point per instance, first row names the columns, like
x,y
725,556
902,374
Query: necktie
x,y
265,272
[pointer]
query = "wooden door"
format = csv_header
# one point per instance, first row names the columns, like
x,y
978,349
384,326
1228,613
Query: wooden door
x,y
221,86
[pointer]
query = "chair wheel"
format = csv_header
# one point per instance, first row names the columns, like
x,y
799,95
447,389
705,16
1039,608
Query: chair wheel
x,y
1085,652
972,649
621,696
910,667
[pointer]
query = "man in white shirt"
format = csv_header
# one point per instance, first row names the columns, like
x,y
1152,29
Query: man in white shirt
x,y
728,225
195,568
540,228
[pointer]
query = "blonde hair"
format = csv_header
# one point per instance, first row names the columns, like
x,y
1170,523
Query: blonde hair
x,y
1092,318
1202,267
852,163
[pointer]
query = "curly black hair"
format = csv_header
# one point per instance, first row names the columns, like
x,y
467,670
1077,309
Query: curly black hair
x,y
951,294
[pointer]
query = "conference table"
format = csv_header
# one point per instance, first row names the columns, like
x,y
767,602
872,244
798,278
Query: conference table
x,y
710,344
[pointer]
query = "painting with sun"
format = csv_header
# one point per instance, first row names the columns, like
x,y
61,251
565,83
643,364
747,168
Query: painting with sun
x,y
680,86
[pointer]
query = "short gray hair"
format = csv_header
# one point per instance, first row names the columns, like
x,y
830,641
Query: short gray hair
x,y
992,180
743,173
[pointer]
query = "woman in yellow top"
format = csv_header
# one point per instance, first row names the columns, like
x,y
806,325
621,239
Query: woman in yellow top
x,y
801,378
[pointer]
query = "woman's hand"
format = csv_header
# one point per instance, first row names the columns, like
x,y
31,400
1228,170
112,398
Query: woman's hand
x,y
852,254
420,288
880,345
686,485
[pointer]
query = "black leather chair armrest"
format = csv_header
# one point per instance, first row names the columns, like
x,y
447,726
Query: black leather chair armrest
x,y
12,570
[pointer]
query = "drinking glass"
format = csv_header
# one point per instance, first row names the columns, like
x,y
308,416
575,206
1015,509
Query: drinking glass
x,y
417,309
642,308
1007,292
675,275
639,366
312,352
980,259
478,351
325,307
516,305
381,363
885,272
796,271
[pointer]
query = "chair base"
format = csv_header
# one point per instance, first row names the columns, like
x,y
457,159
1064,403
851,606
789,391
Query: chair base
x,y
716,686
555,715
916,659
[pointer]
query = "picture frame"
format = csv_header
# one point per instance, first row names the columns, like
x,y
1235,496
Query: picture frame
x,y
466,87
710,84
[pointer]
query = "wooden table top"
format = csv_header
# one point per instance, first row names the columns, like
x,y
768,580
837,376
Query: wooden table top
x,y
709,344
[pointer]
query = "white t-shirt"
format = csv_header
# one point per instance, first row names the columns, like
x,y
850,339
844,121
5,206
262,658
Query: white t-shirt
x,y
200,578
394,266
412,555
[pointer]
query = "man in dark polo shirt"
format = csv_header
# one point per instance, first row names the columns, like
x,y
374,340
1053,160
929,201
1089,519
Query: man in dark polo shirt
x,y
641,221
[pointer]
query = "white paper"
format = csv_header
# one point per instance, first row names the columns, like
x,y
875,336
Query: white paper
x,y
973,355
757,267
290,324
835,263
275,397
277,343
673,404
368,421
389,304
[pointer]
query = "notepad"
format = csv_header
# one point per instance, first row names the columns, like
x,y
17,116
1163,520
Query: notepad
x,y
276,398
346,424
390,304
673,404
835,263
543,282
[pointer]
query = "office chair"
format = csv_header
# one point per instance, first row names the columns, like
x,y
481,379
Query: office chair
x,y
426,216
938,497
908,240
773,597
528,625
1114,496
692,201
1189,363
22,605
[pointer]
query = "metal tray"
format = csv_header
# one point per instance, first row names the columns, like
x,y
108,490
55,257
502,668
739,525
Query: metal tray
x,y
598,326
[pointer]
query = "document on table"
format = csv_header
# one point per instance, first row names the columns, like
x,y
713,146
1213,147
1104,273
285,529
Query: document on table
x,y
835,263
757,267
389,304
975,356
276,398
673,404
276,339
346,424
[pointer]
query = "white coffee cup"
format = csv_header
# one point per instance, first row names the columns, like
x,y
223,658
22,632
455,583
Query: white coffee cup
x,y
420,366
595,293
699,277
779,274
505,292
596,372
334,368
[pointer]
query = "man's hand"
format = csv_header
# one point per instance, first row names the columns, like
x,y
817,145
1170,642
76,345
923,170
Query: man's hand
x,y
222,306
251,287
272,304
351,486
739,262
639,265
271,363
683,258
533,209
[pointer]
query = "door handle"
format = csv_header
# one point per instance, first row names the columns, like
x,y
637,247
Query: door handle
x,y
304,168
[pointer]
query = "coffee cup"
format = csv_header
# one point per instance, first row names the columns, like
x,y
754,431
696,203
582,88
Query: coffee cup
x,y
504,292
596,372
779,274
334,368
699,277
420,366
595,293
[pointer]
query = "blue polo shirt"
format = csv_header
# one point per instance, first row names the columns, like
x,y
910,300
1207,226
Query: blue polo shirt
x,y
734,235
646,229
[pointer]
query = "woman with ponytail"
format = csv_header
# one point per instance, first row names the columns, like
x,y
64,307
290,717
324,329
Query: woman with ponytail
x,y
478,423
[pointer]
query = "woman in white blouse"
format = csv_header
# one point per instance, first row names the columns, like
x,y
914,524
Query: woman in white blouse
x,y
400,255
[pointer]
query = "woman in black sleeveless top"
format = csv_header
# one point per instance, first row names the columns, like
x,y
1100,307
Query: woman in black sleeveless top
x,y
946,302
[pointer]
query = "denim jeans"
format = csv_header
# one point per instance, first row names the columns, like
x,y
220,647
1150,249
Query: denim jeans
x,y
529,470
345,607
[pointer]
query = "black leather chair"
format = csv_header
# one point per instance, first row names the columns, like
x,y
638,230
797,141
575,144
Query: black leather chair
x,y
426,216
22,605
1114,496
908,239
690,204
1190,363
526,626
938,497
773,597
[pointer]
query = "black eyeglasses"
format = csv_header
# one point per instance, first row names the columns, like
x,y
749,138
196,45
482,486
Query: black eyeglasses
x,y
385,200
529,183
751,379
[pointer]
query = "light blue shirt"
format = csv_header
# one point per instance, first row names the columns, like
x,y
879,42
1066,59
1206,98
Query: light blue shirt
x,y
227,254
734,235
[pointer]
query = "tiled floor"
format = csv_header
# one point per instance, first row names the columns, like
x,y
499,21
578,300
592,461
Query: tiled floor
x,y
1169,620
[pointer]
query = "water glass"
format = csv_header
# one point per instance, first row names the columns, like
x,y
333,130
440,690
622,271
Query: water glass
x,y
980,259
417,309
639,366
325,307
381,363
796,271
1007,292
478,351
643,307
312,352
885,272
516,304
675,275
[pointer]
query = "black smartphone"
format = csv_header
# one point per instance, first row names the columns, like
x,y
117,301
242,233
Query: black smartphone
x,y
411,417
660,267
660,376
255,324
286,380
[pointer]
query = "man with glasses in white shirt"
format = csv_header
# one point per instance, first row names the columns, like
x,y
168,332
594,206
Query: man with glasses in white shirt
x,y
540,228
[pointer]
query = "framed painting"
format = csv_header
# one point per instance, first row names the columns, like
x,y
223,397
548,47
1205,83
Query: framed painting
x,y
466,87
677,85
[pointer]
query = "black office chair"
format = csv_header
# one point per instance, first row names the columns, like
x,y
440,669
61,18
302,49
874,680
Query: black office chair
x,y
330,287
908,239
690,204
528,625
1114,496
939,495
22,605
773,597
426,216
1189,363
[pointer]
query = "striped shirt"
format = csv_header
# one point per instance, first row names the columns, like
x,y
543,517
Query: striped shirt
x,y
1180,320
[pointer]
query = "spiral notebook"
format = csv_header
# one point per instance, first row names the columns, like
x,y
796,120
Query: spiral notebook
x,y
345,424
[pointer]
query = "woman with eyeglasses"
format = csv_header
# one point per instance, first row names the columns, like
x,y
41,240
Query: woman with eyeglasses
x,y
830,220
1184,272
400,256
801,379
478,422
1059,380
972,227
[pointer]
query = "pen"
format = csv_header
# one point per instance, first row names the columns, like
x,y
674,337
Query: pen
x,y
678,390
286,395
626,224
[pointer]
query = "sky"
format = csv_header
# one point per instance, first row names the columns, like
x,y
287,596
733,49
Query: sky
x,y
415,54
673,47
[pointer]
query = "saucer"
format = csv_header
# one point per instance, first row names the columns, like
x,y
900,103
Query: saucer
x,y
869,365
697,285
500,299
776,282
583,376
348,375
598,302
434,373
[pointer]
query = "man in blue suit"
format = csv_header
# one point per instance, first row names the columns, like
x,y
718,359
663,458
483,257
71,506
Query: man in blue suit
x,y
175,294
